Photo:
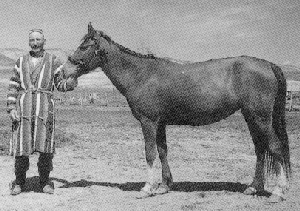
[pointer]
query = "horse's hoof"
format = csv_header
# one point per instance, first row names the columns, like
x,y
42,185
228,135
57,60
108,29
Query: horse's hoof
x,y
162,189
250,191
146,191
143,194
274,198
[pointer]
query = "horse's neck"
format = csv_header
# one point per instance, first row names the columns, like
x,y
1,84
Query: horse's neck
x,y
125,71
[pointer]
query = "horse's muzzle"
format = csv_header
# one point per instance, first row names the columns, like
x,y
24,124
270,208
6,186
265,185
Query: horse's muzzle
x,y
76,62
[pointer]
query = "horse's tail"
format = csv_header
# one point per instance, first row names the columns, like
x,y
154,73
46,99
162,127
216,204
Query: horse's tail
x,y
279,152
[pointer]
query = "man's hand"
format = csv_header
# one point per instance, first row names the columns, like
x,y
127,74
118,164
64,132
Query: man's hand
x,y
72,82
14,115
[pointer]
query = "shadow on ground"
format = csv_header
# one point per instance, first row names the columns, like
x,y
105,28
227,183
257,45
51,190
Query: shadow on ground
x,y
32,184
177,186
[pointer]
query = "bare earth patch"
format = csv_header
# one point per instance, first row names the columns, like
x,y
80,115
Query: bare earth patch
x,y
101,166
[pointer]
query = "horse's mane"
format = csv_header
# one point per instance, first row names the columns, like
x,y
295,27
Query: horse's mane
x,y
121,47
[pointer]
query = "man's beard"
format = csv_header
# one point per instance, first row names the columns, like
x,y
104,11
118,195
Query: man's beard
x,y
37,52
36,48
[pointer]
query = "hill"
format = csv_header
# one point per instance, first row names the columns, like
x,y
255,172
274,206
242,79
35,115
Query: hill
x,y
60,53
290,68
291,72
6,61
97,79
12,53
15,53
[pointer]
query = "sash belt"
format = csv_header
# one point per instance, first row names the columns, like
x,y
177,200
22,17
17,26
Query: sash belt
x,y
36,90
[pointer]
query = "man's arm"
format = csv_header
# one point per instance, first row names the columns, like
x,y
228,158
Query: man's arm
x,y
61,81
13,91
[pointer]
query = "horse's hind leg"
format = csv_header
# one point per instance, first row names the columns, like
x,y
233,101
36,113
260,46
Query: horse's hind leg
x,y
269,154
281,151
258,181
281,185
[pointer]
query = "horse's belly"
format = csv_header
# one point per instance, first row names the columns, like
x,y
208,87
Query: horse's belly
x,y
197,121
199,116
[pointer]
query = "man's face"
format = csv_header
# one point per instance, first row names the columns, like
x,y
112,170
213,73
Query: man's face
x,y
36,41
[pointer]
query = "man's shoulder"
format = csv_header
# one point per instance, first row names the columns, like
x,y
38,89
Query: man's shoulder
x,y
55,59
21,58
24,55
51,54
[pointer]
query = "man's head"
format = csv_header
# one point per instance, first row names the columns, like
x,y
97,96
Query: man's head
x,y
36,40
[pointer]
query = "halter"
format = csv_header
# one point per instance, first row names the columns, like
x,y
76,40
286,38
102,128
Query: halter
x,y
97,53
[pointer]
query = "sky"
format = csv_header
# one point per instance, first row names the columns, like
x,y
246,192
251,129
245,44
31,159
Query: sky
x,y
192,30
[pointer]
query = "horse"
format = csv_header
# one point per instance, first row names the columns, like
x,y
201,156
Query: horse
x,y
161,92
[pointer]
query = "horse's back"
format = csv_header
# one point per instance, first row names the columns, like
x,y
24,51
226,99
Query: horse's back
x,y
236,77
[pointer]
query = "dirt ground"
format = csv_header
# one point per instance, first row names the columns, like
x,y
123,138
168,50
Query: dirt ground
x,y
100,165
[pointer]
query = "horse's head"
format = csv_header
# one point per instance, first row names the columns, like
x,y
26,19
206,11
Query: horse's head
x,y
91,52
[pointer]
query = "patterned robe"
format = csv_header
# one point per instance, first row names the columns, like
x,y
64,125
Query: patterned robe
x,y
30,92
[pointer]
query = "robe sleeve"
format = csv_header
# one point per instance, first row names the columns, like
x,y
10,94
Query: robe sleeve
x,y
61,81
14,87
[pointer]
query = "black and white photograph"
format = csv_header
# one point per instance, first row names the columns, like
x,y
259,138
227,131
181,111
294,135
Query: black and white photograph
x,y
150,105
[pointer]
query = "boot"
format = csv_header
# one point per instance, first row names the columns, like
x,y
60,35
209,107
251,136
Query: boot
x,y
21,166
49,188
17,185
44,167
14,188
45,184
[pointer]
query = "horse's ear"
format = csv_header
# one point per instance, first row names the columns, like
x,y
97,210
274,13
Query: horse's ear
x,y
90,28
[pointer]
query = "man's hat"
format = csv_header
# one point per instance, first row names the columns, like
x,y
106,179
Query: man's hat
x,y
36,30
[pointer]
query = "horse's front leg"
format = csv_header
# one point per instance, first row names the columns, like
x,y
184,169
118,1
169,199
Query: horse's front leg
x,y
162,148
149,129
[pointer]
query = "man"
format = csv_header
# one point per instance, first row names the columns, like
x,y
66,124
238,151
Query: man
x,y
30,105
